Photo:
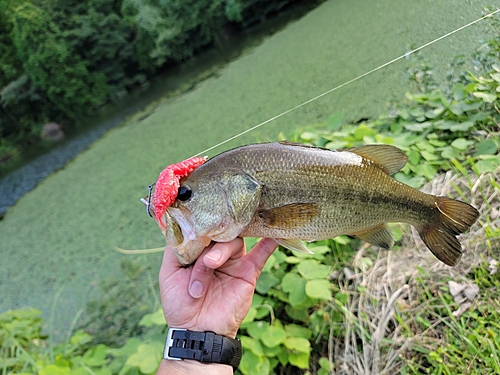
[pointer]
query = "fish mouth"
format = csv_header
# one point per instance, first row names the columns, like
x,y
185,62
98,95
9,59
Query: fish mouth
x,y
181,237
185,225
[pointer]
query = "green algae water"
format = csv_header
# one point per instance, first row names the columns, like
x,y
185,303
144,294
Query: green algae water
x,y
57,243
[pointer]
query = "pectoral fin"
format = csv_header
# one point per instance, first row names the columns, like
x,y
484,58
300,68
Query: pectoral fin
x,y
379,236
289,216
293,244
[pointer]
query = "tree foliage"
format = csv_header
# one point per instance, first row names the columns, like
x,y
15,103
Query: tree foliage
x,y
61,59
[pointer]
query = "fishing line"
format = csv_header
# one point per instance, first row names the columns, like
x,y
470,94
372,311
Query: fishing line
x,y
348,82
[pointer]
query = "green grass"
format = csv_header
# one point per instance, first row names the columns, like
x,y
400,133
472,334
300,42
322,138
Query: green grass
x,y
60,237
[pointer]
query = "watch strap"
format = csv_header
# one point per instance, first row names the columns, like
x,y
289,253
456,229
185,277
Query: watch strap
x,y
205,347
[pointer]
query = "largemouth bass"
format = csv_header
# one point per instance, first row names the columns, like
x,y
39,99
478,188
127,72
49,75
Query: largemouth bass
x,y
292,192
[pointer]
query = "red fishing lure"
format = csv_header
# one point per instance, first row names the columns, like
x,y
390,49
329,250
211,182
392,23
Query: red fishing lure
x,y
168,184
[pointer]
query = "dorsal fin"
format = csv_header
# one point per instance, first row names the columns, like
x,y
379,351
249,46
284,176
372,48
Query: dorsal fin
x,y
390,158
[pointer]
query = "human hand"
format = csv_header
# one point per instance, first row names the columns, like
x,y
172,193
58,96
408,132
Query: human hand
x,y
216,292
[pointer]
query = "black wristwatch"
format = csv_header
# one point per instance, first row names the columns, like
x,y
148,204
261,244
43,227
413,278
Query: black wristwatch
x,y
206,347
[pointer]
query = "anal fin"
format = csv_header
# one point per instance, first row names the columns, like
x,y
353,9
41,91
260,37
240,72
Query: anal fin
x,y
379,236
293,244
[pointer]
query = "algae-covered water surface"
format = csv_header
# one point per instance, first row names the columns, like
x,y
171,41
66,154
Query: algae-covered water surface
x,y
59,239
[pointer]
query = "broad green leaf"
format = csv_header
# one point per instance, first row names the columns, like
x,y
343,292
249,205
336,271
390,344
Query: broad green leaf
x,y
342,240
436,142
146,358
486,147
273,336
255,329
415,181
273,352
325,364
292,260
403,113
298,296
444,124
449,153
417,112
153,319
343,298
299,344
429,156
456,108
461,144
487,97
312,269
290,281
280,256
301,360
335,145
363,131
435,113
252,312
488,165
294,330
429,171
252,364
96,355
462,127
320,289
308,136
257,300
318,249
283,356
471,106
301,313
128,349
252,344
80,338
418,127
425,146
265,282
54,370
269,264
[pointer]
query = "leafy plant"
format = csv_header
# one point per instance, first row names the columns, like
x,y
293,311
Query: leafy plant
x,y
117,314
290,311
24,350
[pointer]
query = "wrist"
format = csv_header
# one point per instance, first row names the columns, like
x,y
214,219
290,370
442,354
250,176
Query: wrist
x,y
192,368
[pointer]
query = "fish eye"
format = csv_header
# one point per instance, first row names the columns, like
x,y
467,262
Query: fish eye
x,y
184,193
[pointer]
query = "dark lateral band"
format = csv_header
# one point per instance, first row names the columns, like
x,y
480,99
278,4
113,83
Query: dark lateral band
x,y
205,347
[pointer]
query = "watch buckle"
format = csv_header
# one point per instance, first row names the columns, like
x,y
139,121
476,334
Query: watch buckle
x,y
169,343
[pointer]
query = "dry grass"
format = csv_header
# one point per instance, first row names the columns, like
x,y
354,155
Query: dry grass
x,y
381,331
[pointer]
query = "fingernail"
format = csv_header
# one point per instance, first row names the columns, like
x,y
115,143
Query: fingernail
x,y
214,255
196,289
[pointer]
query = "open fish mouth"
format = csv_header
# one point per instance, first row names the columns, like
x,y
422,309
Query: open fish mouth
x,y
183,223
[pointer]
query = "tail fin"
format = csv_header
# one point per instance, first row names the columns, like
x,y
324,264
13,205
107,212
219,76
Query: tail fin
x,y
455,217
